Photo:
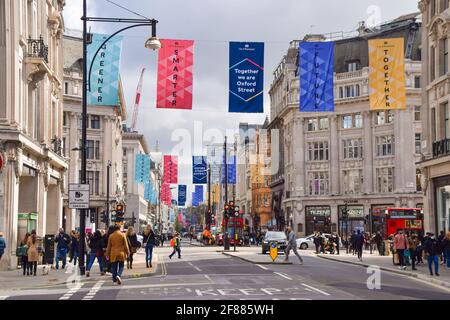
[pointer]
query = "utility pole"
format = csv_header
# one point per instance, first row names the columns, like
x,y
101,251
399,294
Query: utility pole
x,y
227,240
108,168
208,221
235,236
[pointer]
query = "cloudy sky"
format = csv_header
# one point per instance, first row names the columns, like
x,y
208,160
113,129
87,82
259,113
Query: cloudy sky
x,y
212,24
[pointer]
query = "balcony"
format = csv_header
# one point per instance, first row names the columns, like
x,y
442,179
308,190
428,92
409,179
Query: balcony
x,y
349,75
441,148
37,60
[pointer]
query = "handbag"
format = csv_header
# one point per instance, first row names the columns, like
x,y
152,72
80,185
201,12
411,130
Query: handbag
x,y
21,251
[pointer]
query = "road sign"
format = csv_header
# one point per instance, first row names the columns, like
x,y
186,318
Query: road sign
x,y
274,250
79,196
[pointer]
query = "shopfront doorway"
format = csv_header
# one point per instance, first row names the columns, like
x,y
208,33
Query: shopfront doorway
x,y
318,219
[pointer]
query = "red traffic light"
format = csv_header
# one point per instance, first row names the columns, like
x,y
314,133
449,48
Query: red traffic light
x,y
119,207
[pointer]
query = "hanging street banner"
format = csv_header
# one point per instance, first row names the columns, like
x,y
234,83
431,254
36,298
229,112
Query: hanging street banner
x,y
199,193
387,74
166,194
150,194
171,169
175,74
142,168
182,195
316,76
105,70
246,77
231,166
199,170
195,202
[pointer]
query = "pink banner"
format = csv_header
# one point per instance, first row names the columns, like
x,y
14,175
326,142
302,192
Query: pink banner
x,y
175,74
171,169
166,194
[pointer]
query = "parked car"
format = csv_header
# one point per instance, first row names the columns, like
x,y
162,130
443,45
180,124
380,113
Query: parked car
x,y
308,242
278,236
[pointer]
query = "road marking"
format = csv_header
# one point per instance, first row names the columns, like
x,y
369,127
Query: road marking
x,y
196,268
91,294
315,289
283,275
71,292
262,267
209,278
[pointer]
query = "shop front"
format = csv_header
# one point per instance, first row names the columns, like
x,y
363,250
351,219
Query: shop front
x,y
318,219
354,222
442,206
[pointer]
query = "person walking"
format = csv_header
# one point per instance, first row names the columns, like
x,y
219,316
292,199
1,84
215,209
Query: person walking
x,y
336,240
353,243
74,247
440,242
97,246
162,239
378,239
23,253
359,241
150,241
176,245
432,251
400,245
291,245
413,244
317,242
62,240
33,254
446,248
132,245
2,245
117,252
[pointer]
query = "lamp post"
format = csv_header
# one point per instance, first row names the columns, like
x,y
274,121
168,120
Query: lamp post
x,y
108,169
152,43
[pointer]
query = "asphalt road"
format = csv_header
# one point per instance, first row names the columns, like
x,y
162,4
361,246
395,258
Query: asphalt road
x,y
204,274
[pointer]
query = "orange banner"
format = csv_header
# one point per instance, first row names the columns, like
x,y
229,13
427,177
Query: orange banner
x,y
387,74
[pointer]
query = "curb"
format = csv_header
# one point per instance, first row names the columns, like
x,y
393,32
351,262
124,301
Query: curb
x,y
251,261
440,283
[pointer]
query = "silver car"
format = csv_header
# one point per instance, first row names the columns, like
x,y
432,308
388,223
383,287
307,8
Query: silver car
x,y
308,242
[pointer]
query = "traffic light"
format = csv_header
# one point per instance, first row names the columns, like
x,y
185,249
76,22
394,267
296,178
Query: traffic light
x,y
92,216
236,211
133,220
344,214
104,217
120,213
226,211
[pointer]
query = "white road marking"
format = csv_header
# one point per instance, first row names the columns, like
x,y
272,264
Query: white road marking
x,y
209,278
283,275
94,290
71,292
4,297
196,268
315,289
262,267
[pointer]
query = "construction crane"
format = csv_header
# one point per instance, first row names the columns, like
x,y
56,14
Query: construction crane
x,y
137,102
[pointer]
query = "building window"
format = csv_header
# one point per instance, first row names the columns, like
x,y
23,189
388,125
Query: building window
x,y
318,183
323,124
93,179
385,180
445,117
66,88
432,64
95,122
385,117
64,147
92,149
418,180
318,151
312,124
444,57
353,181
64,119
358,120
341,92
418,142
124,152
443,5
417,113
385,146
347,122
353,149
352,66
417,81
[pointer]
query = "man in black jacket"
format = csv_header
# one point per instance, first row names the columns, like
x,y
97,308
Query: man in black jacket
x,y
62,241
432,251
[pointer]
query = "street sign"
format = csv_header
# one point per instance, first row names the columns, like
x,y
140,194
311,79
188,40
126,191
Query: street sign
x,y
79,196
274,250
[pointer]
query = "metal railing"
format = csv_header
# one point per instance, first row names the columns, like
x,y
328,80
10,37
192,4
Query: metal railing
x,y
37,48
441,148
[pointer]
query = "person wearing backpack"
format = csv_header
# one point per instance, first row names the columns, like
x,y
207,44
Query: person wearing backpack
x,y
175,243
150,240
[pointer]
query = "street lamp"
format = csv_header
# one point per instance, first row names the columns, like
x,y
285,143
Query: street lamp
x,y
153,44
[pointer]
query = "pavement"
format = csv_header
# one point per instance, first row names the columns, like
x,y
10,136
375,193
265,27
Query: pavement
x,y
203,273
386,263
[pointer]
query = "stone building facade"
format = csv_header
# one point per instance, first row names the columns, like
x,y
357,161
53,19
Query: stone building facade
x,y
354,156
32,174
435,164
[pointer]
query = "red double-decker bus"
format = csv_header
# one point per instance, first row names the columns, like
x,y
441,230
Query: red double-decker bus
x,y
408,219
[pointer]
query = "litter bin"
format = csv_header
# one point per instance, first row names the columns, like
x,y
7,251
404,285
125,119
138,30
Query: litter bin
x,y
49,249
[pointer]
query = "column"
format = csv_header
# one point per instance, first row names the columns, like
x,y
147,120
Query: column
x,y
334,217
334,155
368,153
299,157
42,191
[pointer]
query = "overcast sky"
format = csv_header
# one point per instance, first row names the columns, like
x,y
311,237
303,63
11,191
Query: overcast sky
x,y
212,24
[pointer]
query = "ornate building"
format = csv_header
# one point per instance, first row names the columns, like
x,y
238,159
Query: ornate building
x,y
354,156
32,173
435,164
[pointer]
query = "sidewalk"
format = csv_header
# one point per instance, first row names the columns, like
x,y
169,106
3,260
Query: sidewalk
x,y
14,280
385,263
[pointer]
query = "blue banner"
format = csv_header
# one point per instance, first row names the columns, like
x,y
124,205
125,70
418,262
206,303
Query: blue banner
x,y
194,199
142,168
246,77
105,70
316,76
199,193
199,172
231,166
182,195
